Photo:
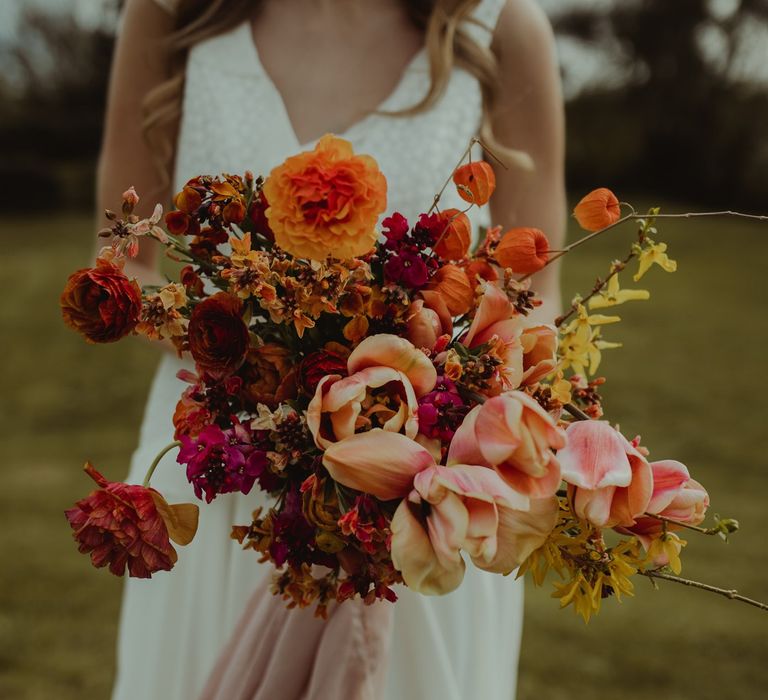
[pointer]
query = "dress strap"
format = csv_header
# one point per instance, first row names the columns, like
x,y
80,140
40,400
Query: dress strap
x,y
486,16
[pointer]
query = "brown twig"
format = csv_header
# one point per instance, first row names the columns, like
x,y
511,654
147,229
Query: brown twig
x,y
695,528
732,593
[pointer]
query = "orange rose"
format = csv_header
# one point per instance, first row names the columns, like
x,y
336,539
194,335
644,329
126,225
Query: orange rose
x,y
326,202
101,303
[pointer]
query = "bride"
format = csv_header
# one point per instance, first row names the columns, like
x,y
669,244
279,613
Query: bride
x,y
211,86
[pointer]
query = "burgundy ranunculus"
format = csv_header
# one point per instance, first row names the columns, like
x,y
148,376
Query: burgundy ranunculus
x,y
101,303
218,336
407,268
123,525
317,365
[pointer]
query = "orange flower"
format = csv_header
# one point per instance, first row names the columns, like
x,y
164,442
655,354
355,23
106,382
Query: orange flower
x,y
452,283
524,250
326,202
101,303
454,241
479,270
600,208
475,182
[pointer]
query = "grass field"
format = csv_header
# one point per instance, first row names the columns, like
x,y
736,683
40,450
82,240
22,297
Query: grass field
x,y
690,379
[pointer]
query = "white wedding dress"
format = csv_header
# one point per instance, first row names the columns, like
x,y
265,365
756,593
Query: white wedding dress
x,y
457,647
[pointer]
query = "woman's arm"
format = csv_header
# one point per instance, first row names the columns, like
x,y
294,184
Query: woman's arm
x,y
529,116
138,65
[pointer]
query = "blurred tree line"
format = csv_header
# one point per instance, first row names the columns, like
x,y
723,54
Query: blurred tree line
x,y
678,122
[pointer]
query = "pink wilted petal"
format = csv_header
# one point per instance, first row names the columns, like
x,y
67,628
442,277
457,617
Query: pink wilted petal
x,y
520,533
464,448
498,429
595,505
447,525
668,478
469,481
415,558
493,307
534,486
387,350
377,462
594,456
315,410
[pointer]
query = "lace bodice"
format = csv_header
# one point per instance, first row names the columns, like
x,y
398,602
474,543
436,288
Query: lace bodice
x,y
234,119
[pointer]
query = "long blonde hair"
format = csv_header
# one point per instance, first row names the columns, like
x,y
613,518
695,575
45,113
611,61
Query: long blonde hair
x,y
446,39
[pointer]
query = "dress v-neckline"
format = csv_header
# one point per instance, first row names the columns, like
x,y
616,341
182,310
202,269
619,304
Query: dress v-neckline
x,y
388,103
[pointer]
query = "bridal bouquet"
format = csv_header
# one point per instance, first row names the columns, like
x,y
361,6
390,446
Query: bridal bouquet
x,y
385,389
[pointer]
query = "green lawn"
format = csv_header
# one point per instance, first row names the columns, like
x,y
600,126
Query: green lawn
x,y
690,379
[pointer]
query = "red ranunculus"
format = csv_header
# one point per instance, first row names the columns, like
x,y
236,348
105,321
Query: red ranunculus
x,y
218,336
317,365
121,525
101,303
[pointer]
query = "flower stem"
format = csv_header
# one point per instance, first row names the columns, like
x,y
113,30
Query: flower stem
x,y
156,461
702,530
732,593
576,412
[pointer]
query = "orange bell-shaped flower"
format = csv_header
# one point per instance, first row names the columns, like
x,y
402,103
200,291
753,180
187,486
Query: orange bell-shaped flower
x,y
454,241
524,250
599,209
452,283
475,182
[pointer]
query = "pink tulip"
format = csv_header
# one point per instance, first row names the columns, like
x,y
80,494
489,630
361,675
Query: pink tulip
x,y
428,320
675,496
610,482
459,509
512,434
497,317
386,350
539,345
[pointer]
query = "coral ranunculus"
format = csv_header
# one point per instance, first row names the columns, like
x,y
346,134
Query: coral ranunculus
x,y
523,250
598,209
218,336
123,525
326,202
101,303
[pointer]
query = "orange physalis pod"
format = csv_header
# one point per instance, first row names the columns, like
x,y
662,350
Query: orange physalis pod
x,y
452,283
454,241
475,182
600,208
524,250
478,270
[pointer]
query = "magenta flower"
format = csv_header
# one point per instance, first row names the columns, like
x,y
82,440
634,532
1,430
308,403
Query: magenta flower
x,y
221,461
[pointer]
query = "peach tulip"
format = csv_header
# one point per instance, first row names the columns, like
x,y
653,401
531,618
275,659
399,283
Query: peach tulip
x,y
459,508
387,350
610,482
378,462
497,317
512,434
539,352
387,374
428,319
675,496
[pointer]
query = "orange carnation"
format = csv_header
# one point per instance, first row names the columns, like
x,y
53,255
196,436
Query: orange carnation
x,y
326,202
524,250
600,208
